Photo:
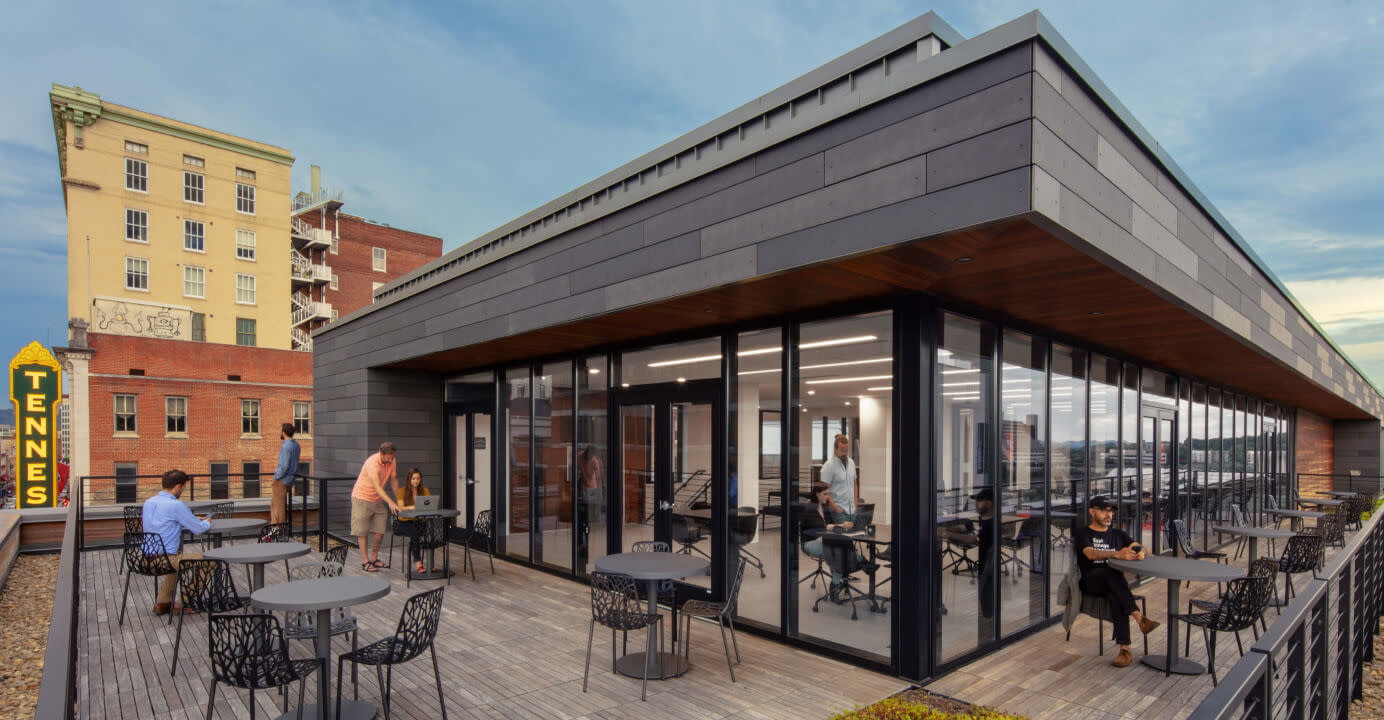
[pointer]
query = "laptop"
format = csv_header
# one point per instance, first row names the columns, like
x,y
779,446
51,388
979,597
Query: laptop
x,y
425,502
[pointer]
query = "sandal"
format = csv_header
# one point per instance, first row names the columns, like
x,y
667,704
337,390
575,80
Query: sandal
x,y
419,569
379,565
368,567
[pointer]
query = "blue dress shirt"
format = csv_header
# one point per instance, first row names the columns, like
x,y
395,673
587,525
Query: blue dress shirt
x,y
288,462
167,516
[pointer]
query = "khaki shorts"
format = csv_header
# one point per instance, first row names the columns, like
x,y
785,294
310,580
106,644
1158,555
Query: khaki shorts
x,y
368,517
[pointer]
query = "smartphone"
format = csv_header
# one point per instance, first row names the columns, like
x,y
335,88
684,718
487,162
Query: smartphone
x,y
1136,547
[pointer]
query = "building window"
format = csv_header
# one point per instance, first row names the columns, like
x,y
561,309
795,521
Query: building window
x,y
333,314
194,281
249,417
175,415
246,175
245,332
193,184
245,244
377,259
199,327
375,287
137,148
302,417
193,161
136,225
244,289
336,281
136,274
125,415
336,245
250,479
136,175
126,482
194,236
245,198
220,481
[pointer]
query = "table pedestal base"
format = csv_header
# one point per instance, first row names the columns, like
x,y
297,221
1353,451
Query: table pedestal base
x,y
1181,666
668,665
350,710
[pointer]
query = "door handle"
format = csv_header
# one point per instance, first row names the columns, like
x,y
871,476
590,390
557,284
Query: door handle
x,y
470,481
665,505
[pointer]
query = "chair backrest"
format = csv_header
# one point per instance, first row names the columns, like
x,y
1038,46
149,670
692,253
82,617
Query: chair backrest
x,y
742,528
134,519
145,554
808,519
839,554
682,530
1178,528
1242,604
484,528
733,594
432,532
614,599
1271,502
1264,567
650,546
336,554
206,586
417,625
1302,553
278,532
246,649
223,510
864,515
1237,516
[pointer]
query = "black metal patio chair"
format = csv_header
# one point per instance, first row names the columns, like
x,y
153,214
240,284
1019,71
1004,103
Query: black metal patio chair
x,y
615,604
204,586
219,511
481,535
719,613
145,554
248,652
416,631
400,528
431,535
1240,607
1302,553
134,523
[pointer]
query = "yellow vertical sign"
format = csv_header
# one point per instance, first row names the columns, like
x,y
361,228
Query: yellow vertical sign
x,y
36,390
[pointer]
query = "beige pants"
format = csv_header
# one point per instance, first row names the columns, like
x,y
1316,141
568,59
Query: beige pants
x,y
277,500
169,583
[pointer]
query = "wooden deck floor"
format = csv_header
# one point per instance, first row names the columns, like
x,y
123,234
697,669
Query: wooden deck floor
x,y
1044,676
511,645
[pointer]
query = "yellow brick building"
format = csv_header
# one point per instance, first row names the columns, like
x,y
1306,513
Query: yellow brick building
x,y
174,231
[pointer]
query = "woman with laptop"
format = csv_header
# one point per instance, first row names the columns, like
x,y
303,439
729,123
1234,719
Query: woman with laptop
x,y
408,497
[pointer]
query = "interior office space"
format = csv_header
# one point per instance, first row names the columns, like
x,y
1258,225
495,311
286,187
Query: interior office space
x,y
962,254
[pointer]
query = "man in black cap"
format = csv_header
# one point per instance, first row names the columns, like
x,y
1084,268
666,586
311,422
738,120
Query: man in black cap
x,y
1095,544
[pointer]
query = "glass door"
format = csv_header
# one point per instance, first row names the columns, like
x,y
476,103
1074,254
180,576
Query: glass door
x,y
468,474
666,451
1160,497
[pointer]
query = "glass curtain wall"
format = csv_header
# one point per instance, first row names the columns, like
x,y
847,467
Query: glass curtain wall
x,y
1105,426
846,368
966,526
1023,481
593,452
1217,499
757,530
554,463
1200,497
1067,459
1131,511
513,529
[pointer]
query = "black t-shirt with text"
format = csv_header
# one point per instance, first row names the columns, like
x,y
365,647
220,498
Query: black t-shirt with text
x,y
1084,537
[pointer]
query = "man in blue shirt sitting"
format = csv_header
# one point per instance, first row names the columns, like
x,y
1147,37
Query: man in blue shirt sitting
x,y
167,516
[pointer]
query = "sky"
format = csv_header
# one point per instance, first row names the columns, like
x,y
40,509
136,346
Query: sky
x,y
452,118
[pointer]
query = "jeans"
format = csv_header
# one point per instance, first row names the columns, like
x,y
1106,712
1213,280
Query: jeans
x,y
1111,585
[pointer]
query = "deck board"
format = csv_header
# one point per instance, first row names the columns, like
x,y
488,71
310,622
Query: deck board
x,y
511,645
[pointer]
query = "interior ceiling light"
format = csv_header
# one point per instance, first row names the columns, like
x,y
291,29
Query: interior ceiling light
x,y
847,362
685,361
624,384
759,372
811,392
862,378
759,351
964,259
836,341
958,372
848,402
682,379
884,388
594,371
961,384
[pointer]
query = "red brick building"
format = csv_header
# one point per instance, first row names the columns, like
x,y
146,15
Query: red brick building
x,y
365,255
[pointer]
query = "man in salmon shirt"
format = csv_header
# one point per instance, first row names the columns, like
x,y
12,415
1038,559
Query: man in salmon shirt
x,y
371,506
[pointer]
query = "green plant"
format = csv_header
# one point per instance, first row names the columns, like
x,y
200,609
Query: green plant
x,y
896,709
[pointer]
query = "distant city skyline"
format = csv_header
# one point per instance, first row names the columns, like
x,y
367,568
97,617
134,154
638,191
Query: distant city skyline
x,y
453,121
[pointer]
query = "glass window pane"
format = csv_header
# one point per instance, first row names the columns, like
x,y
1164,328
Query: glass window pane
x,y
513,529
1067,460
846,379
757,482
593,440
554,458
965,515
1023,433
1130,514
694,360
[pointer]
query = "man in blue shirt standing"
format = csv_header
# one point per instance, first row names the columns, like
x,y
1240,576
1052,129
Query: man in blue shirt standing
x,y
167,516
282,484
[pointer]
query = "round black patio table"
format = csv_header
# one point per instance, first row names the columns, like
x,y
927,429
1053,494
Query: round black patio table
x,y
652,567
1347,494
324,595
1321,502
196,505
256,555
225,526
1253,533
415,514
1296,515
1176,570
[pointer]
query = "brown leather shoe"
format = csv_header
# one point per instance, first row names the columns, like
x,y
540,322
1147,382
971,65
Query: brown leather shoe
x,y
178,609
1146,625
1123,659
161,608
